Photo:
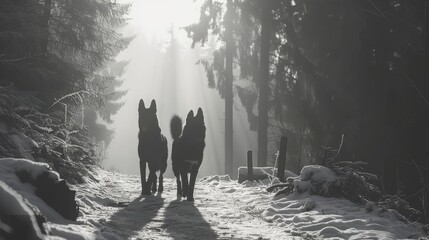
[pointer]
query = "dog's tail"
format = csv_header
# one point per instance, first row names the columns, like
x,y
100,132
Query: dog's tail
x,y
176,127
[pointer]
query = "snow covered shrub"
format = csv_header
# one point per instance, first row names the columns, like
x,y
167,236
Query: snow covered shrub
x,y
286,188
354,184
32,179
347,180
362,187
342,179
27,133
401,206
318,179
314,179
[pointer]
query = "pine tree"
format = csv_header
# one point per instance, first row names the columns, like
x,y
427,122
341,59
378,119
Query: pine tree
x,y
66,44
211,13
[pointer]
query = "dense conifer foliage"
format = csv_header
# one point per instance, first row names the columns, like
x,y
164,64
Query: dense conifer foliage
x,y
343,75
63,52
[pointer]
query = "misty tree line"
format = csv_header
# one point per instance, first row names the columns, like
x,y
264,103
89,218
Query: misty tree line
x,y
64,50
327,74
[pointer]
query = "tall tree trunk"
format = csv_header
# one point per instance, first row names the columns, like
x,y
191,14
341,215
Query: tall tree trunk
x,y
264,83
228,90
427,33
45,25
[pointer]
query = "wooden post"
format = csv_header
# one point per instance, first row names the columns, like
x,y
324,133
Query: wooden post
x,y
249,166
282,159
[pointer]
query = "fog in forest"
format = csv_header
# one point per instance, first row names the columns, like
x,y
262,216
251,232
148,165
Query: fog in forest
x,y
162,67
330,98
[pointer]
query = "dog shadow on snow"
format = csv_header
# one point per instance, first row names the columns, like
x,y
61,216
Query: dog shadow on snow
x,y
131,219
183,220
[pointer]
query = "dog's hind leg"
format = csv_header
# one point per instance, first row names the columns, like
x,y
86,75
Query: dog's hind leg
x,y
192,185
145,184
161,183
179,187
184,176
176,172
153,180
164,157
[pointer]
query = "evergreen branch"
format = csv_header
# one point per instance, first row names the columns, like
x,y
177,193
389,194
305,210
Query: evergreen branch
x,y
26,56
78,93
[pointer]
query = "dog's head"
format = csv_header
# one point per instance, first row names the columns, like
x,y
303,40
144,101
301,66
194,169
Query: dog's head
x,y
147,117
195,128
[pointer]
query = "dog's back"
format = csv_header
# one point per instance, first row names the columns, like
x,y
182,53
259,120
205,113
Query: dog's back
x,y
152,146
154,151
187,152
188,148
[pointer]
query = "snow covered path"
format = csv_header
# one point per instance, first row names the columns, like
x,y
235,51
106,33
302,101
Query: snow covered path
x,y
111,208
118,211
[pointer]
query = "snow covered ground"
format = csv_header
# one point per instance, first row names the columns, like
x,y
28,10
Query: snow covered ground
x,y
223,209
331,218
112,208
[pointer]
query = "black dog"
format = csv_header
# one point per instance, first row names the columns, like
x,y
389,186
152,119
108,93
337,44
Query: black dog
x,y
152,148
187,152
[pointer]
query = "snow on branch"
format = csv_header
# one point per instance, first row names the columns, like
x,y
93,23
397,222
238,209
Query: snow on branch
x,y
79,95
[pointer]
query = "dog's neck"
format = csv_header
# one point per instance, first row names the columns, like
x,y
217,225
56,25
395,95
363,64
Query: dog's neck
x,y
150,131
189,139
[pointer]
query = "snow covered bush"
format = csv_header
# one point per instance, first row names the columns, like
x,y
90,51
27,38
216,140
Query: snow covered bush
x,y
400,206
313,179
41,186
345,180
361,187
354,184
25,132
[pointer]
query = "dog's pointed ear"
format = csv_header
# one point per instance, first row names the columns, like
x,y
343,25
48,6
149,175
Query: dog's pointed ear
x,y
190,115
141,105
200,115
153,105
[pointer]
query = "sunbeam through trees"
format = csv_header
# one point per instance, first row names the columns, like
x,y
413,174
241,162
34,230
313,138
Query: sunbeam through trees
x,y
214,119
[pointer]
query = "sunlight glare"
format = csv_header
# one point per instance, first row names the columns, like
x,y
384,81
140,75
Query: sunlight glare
x,y
156,17
162,67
